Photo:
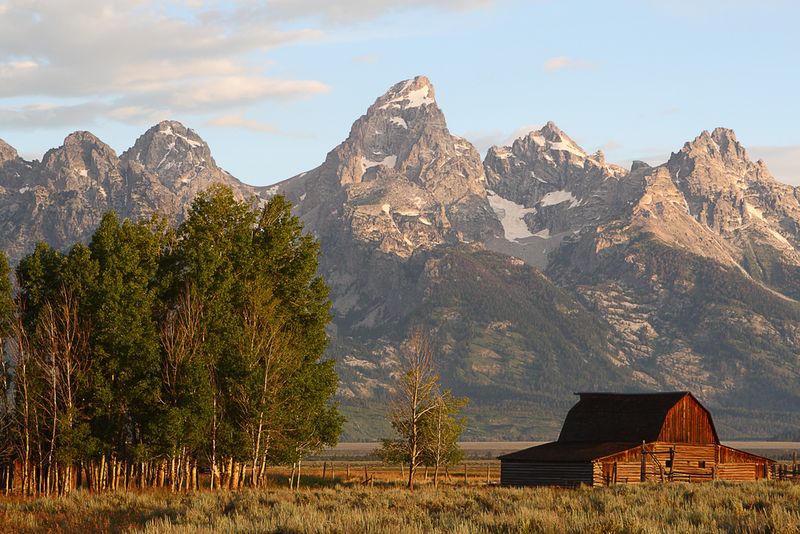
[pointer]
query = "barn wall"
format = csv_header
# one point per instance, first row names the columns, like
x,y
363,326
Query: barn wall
x,y
546,473
737,472
730,456
693,463
688,422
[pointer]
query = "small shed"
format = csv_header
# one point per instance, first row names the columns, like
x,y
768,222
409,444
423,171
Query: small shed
x,y
615,438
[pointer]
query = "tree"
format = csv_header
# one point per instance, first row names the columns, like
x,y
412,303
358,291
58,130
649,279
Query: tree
x,y
149,352
121,303
441,428
183,374
61,340
6,376
414,398
265,309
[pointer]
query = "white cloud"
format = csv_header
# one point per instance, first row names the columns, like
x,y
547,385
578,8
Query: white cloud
x,y
348,11
43,115
142,60
783,161
566,63
238,121
135,60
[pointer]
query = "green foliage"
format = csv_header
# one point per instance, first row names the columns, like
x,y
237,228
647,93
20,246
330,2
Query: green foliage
x,y
264,316
6,297
441,429
202,342
424,418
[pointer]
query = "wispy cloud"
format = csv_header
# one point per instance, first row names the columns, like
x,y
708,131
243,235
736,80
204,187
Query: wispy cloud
x,y
131,60
238,121
35,116
349,11
567,63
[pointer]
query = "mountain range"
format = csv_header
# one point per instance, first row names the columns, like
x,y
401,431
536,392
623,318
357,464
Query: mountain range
x,y
540,271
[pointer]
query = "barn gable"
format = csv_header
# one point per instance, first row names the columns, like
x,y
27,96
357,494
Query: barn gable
x,y
615,417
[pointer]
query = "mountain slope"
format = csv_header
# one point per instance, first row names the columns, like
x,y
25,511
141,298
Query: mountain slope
x,y
692,264
540,271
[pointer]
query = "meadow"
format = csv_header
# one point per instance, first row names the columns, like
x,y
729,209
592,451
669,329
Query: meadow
x,y
344,506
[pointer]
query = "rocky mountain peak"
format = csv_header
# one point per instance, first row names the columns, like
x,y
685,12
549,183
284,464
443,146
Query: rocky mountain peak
x,y
174,157
721,144
400,181
169,145
7,152
82,158
415,93
84,143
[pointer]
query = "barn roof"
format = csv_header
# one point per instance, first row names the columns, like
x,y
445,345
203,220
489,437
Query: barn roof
x,y
619,417
582,451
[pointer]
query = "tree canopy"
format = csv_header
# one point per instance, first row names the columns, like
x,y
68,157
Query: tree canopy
x,y
200,345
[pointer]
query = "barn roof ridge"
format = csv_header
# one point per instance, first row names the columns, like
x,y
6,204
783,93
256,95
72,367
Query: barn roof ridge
x,y
635,394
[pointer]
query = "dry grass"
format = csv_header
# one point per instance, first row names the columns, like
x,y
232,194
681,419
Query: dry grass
x,y
710,507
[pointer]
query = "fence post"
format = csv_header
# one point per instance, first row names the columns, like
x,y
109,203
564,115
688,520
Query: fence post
x,y
642,468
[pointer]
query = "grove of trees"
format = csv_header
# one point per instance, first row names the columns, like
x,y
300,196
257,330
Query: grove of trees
x,y
156,353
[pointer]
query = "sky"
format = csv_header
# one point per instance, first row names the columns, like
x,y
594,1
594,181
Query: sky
x,y
273,85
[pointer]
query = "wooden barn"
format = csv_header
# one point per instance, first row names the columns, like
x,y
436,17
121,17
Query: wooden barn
x,y
612,438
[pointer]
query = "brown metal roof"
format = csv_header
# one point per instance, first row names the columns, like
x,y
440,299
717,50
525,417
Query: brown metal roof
x,y
618,417
558,451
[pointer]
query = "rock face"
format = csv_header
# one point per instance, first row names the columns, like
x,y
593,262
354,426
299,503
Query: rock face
x,y
167,167
692,264
545,188
540,271
61,199
400,182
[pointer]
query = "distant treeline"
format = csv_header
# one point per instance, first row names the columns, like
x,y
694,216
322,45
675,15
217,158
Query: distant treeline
x,y
154,353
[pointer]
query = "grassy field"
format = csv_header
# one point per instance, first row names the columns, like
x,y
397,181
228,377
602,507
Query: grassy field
x,y
651,508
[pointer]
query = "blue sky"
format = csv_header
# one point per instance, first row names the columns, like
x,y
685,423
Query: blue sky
x,y
272,86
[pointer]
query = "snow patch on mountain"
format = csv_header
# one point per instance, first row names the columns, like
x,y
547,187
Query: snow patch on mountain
x,y
399,121
411,99
388,161
511,216
191,142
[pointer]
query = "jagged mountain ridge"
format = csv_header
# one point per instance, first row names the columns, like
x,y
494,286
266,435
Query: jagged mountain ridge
x,y
679,276
61,199
692,264
580,219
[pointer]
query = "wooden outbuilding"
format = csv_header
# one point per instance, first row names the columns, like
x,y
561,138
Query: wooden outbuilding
x,y
614,438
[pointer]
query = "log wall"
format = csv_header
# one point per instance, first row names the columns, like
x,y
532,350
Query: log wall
x,y
567,474
689,463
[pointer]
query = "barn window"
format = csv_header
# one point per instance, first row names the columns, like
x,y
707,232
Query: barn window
x,y
701,463
668,463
